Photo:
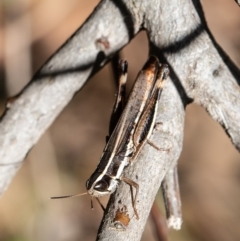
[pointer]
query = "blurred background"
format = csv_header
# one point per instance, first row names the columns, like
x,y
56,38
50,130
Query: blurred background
x,y
67,154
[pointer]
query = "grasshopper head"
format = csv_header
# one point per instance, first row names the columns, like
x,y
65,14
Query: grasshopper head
x,y
100,185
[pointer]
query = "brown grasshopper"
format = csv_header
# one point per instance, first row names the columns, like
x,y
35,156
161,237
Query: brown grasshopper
x,y
132,130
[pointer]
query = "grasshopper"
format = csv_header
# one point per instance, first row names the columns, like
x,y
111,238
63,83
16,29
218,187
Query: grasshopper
x,y
132,130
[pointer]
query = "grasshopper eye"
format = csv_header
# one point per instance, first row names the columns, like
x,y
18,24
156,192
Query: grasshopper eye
x,y
101,186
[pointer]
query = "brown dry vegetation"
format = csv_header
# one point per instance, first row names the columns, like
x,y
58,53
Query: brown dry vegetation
x,y
209,167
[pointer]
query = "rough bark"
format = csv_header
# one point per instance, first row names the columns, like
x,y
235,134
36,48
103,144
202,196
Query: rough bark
x,y
200,73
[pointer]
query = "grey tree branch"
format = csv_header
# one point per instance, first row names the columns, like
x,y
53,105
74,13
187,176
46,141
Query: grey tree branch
x,y
200,72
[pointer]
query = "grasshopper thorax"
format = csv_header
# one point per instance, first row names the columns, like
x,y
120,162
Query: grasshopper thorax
x,y
99,185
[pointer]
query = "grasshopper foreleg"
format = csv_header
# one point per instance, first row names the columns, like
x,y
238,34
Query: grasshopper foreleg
x,y
131,183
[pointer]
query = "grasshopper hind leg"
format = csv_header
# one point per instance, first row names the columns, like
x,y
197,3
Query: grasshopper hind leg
x,y
120,100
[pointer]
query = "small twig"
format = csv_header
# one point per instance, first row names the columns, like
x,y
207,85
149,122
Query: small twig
x,y
159,223
172,200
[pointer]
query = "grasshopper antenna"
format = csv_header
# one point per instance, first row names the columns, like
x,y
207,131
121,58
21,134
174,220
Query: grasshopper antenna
x,y
75,195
